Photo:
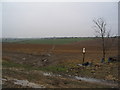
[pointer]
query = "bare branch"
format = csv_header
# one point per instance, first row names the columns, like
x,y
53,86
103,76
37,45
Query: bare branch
x,y
100,23
97,24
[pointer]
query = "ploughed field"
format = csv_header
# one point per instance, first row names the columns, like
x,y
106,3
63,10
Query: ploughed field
x,y
60,59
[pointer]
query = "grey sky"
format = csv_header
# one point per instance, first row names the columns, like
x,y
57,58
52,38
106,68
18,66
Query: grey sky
x,y
48,19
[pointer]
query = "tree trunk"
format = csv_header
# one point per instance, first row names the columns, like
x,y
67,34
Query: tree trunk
x,y
103,47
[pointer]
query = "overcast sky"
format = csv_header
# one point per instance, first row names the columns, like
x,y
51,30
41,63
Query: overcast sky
x,y
48,19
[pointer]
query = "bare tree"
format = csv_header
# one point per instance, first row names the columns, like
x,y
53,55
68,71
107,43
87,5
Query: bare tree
x,y
100,28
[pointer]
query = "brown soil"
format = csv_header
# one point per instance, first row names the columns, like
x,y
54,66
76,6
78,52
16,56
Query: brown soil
x,y
41,55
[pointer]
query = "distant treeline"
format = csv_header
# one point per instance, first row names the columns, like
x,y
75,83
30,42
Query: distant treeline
x,y
20,39
43,38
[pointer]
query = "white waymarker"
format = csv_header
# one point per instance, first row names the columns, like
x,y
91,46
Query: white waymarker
x,y
83,54
83,50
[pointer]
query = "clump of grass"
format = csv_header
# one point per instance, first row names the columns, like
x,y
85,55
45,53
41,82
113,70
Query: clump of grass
x,y
15,65
58,68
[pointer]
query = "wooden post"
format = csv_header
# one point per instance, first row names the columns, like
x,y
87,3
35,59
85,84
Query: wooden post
x,y
83,55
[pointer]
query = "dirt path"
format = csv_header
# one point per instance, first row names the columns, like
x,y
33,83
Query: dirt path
x,y
87,79
26,83
23,83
